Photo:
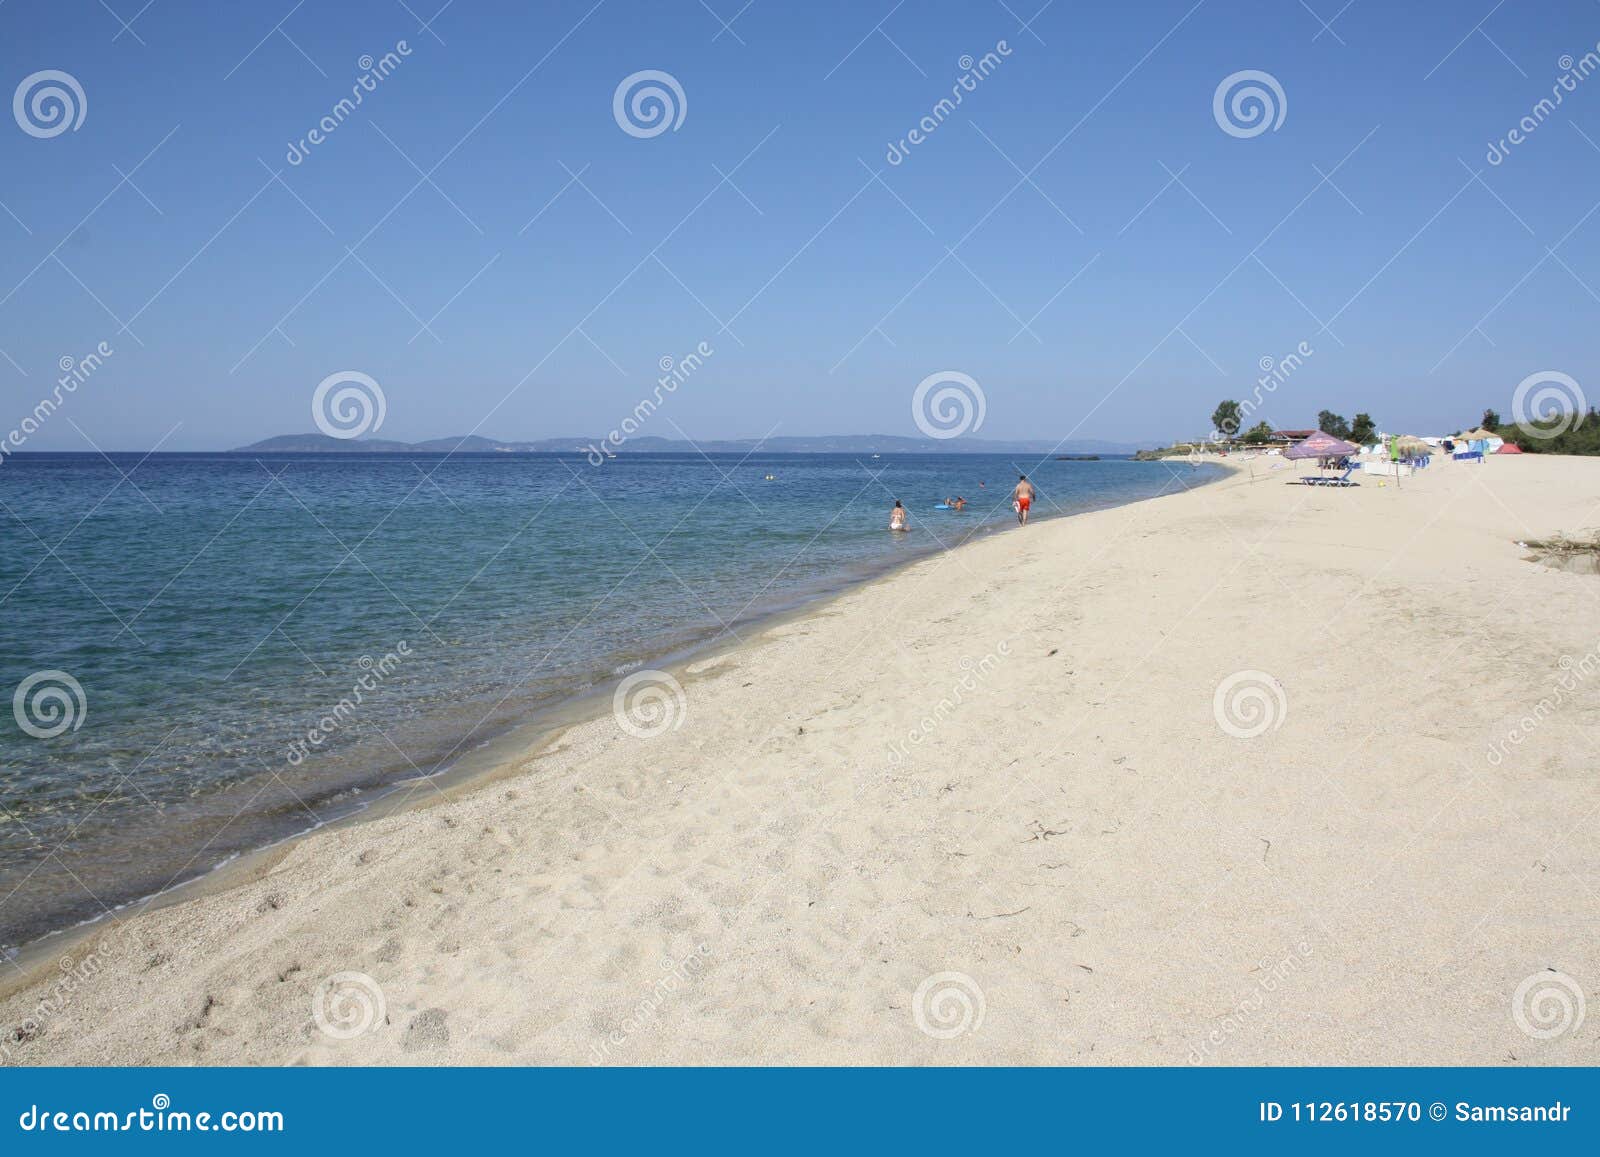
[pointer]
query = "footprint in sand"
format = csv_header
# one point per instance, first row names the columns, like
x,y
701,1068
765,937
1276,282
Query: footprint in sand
x,y
426,1031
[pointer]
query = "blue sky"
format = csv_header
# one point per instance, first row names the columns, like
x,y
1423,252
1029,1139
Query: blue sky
x,y
1154,258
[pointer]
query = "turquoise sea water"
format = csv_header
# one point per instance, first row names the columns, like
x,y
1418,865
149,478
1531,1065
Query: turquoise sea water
x,y
214,609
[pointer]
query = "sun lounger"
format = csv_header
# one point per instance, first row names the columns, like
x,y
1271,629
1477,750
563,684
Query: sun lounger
x,y
1325,480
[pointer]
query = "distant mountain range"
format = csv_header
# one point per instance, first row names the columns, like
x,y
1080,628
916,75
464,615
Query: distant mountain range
x,y
821,444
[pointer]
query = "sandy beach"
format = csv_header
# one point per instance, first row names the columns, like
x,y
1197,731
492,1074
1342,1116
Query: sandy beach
x,y
1254,774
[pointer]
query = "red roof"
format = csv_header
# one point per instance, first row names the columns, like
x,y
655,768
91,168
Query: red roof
x,y
1293,433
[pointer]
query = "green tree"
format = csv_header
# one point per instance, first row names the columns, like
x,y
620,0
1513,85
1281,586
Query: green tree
x,y
1258,433
1363,429
1570,433
1330,423
1225,418
1491,420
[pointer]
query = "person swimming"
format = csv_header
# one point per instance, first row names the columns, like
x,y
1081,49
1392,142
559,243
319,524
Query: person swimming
x,y
898,519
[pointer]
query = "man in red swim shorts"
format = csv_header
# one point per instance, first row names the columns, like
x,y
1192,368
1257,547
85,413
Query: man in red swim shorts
x,y
1022,498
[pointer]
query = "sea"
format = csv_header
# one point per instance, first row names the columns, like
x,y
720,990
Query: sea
x,y
203,654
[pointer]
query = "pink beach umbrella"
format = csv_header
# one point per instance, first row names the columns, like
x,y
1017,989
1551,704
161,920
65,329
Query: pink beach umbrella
x,y
1321,445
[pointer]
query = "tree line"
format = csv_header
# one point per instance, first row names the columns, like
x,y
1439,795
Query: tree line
x,y
1569,433
1229,416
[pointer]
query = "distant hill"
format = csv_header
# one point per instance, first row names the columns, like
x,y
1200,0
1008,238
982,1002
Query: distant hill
x,y
820,444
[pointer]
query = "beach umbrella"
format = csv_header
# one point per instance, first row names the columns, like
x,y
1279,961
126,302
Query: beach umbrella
x,y
1509,448
1321,445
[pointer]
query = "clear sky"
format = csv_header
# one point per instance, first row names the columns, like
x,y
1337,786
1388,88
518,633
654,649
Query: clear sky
x,y
529,286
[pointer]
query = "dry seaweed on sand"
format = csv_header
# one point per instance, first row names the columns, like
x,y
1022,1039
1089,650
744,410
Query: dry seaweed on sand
x,y
1562,553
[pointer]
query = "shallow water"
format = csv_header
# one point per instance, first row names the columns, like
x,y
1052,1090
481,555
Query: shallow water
x,y
215,609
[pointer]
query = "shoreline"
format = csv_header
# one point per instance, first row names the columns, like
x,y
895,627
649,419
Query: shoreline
x,y
477,758
827,881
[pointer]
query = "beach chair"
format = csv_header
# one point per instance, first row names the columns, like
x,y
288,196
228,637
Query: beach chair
x,y
1324,480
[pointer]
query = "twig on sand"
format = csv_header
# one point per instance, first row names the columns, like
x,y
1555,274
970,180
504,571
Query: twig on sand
x,y
997,915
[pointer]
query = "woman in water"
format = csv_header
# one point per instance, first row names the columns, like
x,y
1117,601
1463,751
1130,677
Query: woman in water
x,y
898,519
